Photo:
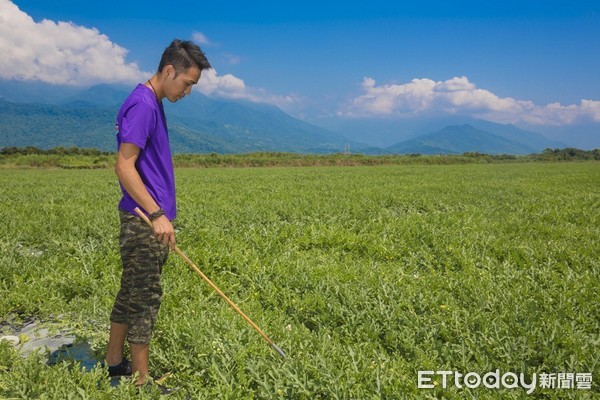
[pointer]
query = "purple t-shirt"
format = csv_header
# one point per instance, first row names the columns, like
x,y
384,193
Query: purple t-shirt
x,y
141,121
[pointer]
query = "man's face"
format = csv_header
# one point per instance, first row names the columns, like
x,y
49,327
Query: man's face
x,y
179,85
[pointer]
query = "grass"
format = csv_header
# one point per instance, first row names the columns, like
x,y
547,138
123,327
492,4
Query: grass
x,y
82,158
362,275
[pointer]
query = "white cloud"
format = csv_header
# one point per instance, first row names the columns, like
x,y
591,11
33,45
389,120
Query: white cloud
x,y
201,39
59,52
591,108
65,53
460,96
225,85
232,87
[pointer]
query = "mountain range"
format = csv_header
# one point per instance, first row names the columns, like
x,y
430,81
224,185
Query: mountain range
x,y
46,116
457,139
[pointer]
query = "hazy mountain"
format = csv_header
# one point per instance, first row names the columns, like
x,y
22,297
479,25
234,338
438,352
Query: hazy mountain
x,y
44,115
98,95
386,132
252,126
458,139
582,136
35,92
383,132
535,141
49,125
86,118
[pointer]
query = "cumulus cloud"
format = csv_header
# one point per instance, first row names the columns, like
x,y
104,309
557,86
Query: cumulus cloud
x,y
232,87
225,85
65,53
460,96
59,52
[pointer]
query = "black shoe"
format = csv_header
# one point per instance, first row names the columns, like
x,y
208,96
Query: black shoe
x,y
122,369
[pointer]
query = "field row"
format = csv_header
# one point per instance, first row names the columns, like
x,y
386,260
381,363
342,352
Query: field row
x,y
362,275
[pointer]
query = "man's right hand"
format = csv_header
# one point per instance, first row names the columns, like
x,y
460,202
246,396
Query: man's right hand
x,y
164,231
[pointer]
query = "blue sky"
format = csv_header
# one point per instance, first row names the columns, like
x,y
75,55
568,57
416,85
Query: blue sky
x,y
529,62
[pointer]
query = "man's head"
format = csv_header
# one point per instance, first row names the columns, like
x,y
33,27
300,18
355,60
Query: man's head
x,y
180,67
183,54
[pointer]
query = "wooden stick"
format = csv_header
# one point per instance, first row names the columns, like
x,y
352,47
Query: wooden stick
x,y
231,303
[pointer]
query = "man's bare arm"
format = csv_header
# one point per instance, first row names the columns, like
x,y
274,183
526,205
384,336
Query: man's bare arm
x,y
132,182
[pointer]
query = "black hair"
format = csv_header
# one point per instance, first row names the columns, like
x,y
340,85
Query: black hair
x,y
183,54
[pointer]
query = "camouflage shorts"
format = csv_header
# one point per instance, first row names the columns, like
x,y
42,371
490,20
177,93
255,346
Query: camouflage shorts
x,y
139,298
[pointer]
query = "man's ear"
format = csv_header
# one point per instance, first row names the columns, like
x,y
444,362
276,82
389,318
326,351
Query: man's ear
x,y
169,71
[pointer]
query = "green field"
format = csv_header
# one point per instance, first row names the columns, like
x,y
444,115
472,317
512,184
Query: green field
x,y
362,275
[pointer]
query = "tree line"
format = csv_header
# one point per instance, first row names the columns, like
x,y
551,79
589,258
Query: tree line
x,y
75,157
58,151
570,154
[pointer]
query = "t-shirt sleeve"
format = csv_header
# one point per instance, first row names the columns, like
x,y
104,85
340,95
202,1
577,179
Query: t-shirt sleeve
x,y
137,124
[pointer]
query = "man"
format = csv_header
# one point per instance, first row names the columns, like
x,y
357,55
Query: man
x,y
145,171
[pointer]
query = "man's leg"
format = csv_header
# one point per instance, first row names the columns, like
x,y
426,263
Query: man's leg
x,y
116,341
139,299
139,361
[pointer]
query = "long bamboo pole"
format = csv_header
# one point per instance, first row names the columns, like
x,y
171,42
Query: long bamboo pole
x,y
231,303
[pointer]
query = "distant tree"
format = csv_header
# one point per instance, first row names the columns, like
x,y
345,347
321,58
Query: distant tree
x,y
9,151
32,150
